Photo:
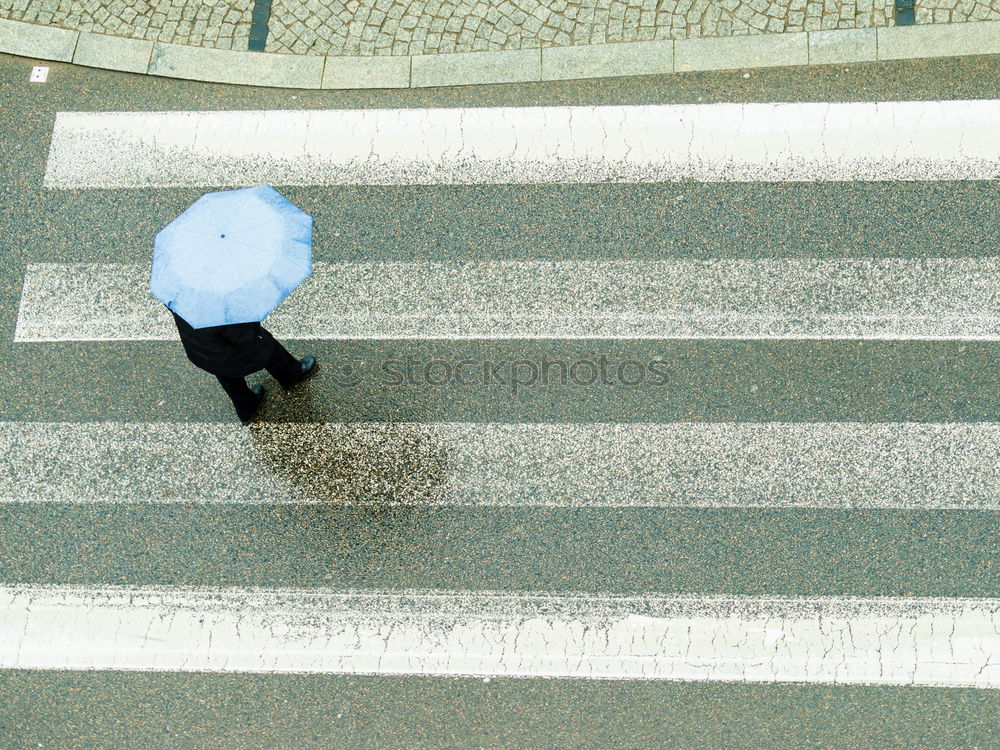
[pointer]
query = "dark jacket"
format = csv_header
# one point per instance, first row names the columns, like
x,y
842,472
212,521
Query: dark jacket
x,y
231,350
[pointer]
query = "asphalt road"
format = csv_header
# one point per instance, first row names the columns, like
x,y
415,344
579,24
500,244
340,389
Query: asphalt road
x,y
635,551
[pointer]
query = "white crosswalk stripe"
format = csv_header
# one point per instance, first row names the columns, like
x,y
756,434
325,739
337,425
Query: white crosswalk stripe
x,y
952,642
936,298
931,140
772,465
932,642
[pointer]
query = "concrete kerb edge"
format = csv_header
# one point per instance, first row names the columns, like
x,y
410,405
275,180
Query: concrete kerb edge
x,y
38,42
822,48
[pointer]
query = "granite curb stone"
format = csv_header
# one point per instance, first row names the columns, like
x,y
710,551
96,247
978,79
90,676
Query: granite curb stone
x,y
725,53
607,60
846,46
113,52
232,66
464,68
504,66
42,42
366,73
902,42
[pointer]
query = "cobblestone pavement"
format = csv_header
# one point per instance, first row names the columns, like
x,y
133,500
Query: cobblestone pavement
x,y
413,27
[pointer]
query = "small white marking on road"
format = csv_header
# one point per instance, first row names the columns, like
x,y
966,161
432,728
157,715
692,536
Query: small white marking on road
x,y
877,641
784,298
707,465
39,74
729,142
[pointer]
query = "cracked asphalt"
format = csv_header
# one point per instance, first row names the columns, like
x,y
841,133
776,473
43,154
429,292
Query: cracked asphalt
x,y
783,552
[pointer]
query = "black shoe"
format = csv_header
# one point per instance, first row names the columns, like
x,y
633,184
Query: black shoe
x,y
307,366
260,393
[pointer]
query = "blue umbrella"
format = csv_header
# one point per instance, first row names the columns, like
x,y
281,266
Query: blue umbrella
x,y
232,257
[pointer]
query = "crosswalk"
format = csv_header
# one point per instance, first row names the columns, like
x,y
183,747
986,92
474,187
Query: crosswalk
x,y
875,467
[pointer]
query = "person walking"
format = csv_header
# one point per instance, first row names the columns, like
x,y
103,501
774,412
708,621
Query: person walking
x,y
233,351
223,266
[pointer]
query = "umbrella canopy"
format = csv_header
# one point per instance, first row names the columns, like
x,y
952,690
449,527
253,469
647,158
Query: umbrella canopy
x,y
232,257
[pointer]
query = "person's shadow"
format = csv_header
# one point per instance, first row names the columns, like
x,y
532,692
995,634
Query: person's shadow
x,y
362,463
359,501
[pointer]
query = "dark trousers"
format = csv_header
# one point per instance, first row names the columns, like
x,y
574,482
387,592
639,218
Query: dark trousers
x,y
282,366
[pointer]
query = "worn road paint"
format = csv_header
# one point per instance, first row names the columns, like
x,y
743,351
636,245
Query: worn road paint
x,y
932,642
729,142
711,465
786,298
